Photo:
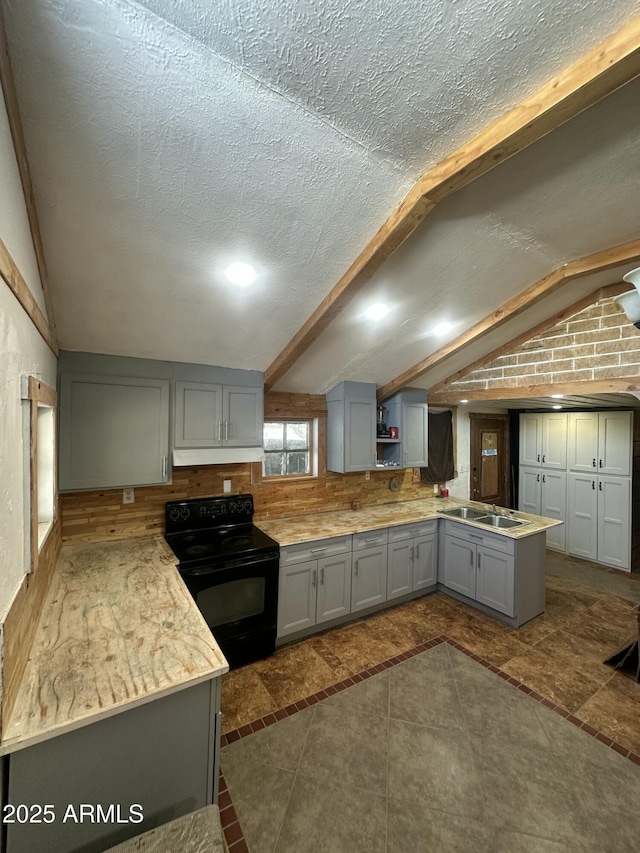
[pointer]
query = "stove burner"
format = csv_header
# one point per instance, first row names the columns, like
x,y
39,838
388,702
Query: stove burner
x,y
197,550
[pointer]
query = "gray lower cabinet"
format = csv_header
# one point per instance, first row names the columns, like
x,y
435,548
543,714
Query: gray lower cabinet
x,y
315,584
501,574
215,415
114,431
474,569
369,578
158,761
411,558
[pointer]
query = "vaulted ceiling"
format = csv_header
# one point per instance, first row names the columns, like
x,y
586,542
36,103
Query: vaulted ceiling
x,y
166,140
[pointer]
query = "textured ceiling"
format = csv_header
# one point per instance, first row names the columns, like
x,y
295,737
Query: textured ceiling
x,y
167,139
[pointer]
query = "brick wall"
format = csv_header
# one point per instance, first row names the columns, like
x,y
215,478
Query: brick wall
x,y
596,343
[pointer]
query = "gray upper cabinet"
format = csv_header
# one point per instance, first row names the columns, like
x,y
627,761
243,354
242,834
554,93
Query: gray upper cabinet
x,y
214,415
408,411
114,431
351,427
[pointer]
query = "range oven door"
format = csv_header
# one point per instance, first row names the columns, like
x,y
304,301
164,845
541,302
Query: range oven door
x,y
239,602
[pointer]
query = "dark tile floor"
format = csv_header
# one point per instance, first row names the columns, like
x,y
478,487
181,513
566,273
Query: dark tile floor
x,y
590,612
436,753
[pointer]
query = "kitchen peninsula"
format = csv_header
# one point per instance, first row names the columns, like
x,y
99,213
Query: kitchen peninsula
x,y
340,565
119,702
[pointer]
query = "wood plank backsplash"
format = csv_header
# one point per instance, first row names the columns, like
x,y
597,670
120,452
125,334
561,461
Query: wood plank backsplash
x,y
101,515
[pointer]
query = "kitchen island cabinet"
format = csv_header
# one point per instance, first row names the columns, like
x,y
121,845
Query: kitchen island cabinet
x,y
119,702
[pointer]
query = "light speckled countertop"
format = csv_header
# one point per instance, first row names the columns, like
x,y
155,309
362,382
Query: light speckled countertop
x,y
118,628
321,525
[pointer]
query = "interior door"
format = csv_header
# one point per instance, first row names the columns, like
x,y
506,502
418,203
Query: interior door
x,y
489,465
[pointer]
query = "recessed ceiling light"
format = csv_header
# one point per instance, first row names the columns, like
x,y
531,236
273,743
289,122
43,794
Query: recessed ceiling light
x,y
442,329
557,407
241,274
464,401
377,311
557,396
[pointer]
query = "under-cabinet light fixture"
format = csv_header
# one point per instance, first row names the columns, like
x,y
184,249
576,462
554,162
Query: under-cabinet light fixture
x,y
630,301
557,396
556,407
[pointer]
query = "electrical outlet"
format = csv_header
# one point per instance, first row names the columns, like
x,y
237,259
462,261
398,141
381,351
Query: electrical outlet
x,y
367,475
226,486
435,488
128,496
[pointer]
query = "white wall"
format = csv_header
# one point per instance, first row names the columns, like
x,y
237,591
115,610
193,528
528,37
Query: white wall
x,y
22,351
461,486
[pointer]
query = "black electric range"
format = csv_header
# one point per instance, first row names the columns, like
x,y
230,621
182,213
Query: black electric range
x,y
231,569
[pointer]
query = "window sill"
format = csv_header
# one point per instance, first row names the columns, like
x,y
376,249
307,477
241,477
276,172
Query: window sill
x,y
44,528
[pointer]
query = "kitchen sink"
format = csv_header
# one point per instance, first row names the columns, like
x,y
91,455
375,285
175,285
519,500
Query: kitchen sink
x,y
501,521
464,512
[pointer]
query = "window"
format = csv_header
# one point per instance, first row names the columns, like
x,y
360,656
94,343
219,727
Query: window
x,y
40,401
288,449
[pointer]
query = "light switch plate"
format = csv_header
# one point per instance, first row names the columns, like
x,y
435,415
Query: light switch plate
x,y
226,486
367,475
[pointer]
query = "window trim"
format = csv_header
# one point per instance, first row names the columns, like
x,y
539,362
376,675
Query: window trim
x,y
313,443
38,395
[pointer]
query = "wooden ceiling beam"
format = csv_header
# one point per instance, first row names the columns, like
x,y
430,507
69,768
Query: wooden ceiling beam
x,y
601,293
20,148
599,262
589,387
595,75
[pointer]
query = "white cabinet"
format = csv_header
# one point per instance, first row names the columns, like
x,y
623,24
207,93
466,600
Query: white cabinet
x,y
407,410
543,440
315,584
411,558
480,566
351,427
114,431
600,442
544,492
600,519
214,415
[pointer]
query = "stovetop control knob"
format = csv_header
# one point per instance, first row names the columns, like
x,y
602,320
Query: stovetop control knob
x,y
174,513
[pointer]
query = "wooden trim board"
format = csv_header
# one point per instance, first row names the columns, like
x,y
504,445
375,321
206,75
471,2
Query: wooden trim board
x,y
13,277
599,262
595,75
623,385
20,148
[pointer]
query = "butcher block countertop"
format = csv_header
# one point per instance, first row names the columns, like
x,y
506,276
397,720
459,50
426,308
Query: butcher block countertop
x,y
118,629
322,525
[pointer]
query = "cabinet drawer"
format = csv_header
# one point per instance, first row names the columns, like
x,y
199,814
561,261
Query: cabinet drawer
x,y
303,551
479,537
370,538
410,531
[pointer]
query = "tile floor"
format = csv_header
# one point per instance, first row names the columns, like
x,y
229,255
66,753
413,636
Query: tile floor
x,y
428,755
584,788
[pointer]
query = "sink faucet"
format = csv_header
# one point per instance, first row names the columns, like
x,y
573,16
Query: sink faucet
x,y
494,509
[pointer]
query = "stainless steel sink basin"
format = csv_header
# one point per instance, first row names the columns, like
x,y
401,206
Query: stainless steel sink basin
x,y
501,521
464,512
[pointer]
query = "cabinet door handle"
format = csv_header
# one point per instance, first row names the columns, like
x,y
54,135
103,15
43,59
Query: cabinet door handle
x,y
600,485
219,432
593,484
544,457
544,478
538,478
470,558
593,461
226,430
318,550
313,577
355,567
538,457
371,539
479,558
600,461
164,467
473,536
322,576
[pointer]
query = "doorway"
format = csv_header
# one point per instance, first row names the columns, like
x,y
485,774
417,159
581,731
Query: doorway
x,y
489,459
